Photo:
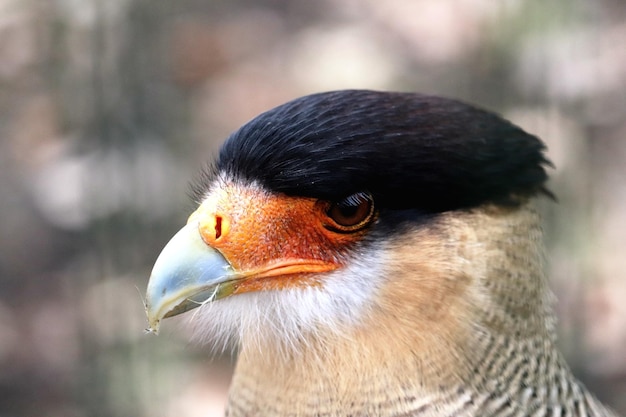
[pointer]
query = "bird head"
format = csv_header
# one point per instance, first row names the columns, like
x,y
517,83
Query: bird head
x,y
338,210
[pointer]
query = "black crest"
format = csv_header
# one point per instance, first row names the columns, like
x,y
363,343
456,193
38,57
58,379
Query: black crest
x,y
407,150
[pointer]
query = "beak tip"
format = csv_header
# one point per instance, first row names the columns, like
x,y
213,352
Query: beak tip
x,y
153,329
154,322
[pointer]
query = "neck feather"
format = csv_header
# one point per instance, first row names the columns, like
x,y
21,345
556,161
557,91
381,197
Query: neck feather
x,y
464,313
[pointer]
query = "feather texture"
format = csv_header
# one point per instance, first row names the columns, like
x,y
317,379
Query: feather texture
x,y
461,326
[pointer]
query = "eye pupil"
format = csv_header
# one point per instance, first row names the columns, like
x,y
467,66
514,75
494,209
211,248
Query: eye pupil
x,y
352,213
347,211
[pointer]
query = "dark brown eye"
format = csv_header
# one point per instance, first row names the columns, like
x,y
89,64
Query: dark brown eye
x,y
352,213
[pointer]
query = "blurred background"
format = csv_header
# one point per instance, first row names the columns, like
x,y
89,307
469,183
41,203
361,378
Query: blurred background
x,y
108,108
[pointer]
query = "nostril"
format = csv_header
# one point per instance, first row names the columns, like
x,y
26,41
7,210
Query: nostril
x,y
218,227
213,228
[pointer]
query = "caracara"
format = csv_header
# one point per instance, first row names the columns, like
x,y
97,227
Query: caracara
x,y
374,254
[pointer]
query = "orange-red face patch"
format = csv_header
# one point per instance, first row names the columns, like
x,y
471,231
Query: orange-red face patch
x,y
275,241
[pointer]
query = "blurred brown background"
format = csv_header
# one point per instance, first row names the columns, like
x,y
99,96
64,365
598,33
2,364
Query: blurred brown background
x,y
109,107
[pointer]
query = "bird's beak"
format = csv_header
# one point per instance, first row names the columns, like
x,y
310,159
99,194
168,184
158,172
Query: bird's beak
x,y
186,274
242,240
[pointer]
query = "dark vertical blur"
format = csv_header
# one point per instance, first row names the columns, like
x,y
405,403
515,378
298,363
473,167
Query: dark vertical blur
x,y
109,108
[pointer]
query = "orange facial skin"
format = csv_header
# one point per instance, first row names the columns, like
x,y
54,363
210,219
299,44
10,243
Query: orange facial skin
x,y
273,241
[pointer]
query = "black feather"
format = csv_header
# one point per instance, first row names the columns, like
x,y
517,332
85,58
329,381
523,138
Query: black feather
x,y
408,150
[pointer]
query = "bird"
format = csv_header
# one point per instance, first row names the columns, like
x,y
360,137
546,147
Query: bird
x,y
372,253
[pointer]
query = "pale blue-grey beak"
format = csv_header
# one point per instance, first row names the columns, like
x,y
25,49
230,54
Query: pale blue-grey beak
x,y
186,274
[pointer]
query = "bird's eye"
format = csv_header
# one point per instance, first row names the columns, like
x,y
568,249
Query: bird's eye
x,y
352,213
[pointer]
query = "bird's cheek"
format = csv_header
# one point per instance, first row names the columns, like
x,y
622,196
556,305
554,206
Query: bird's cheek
x,y
260,233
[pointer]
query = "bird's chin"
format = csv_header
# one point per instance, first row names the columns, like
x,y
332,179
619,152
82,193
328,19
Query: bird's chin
x,y
287,318
268,319
251,319
281,279
197,297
